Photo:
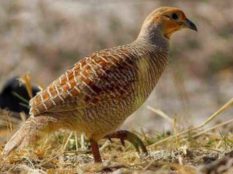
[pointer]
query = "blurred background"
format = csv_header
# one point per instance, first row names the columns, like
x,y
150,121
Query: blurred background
x,y
45,37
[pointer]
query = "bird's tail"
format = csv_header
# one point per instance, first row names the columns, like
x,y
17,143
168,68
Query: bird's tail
x,y
28,133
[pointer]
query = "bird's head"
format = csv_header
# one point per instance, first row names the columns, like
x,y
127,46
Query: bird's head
x,y
167,20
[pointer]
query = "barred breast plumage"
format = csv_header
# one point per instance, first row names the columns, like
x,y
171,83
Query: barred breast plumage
x,y
102,90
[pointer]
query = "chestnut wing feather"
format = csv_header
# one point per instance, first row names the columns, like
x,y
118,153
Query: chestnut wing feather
x,y
102,76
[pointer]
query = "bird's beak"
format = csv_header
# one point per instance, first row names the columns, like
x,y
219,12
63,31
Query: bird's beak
x,y
189,24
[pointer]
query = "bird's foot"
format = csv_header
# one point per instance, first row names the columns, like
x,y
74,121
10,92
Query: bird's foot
x,y
129,136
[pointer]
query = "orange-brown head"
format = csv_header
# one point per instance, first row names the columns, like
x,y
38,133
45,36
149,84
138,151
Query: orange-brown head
x,y
166,20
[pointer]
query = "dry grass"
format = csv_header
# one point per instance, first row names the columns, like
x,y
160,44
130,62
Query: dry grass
x,y
177,152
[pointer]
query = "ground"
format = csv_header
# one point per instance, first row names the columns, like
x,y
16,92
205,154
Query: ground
x,y
197,149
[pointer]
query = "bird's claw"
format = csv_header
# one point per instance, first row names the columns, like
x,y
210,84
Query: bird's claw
x,y
132,138
122,141
109,138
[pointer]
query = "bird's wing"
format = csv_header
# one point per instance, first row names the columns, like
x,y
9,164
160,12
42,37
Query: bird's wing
x,y
102,76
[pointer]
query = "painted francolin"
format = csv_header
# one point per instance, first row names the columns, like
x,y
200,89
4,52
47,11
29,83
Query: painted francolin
x,y
103,89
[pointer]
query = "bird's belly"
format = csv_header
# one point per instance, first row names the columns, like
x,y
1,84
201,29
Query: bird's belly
x,y
105,117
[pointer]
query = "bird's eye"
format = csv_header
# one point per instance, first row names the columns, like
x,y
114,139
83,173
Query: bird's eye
x,y
174,16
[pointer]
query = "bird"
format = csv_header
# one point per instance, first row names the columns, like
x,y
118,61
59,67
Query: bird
x,y
14,96
101,90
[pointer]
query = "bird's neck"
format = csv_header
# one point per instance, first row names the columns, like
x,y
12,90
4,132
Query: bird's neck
x,y
152,58
152,41
152,35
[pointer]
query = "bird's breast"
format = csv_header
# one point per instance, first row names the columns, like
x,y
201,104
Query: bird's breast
x,y
150,68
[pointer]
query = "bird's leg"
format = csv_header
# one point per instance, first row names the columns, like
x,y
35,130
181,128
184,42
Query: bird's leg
x,y
129,136
95,151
